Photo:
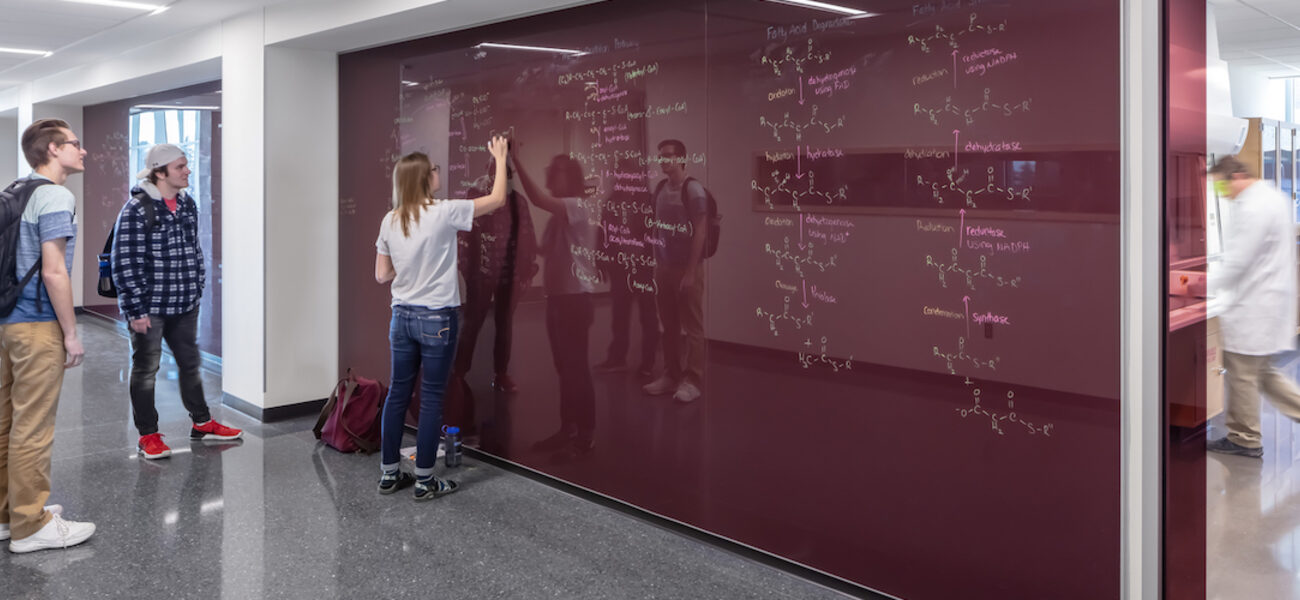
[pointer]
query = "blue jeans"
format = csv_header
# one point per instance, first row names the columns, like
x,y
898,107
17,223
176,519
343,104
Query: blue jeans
x,y
418,335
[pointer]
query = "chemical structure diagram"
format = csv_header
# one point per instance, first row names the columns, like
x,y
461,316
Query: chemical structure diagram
x,y
969,113
961,357
998,419
796,59
972,275
809,359
951,38
813,122
956,185
786,254
783,189
774,319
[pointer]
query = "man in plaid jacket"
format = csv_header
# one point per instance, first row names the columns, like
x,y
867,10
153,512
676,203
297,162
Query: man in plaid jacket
x,y
159,273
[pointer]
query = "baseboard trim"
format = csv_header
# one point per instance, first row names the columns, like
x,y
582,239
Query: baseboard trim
x,y
276,413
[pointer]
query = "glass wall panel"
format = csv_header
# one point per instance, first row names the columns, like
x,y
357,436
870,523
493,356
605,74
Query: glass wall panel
x,y
906,345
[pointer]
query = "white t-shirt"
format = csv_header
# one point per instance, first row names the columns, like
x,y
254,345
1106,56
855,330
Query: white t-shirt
x,y
425,261
569,244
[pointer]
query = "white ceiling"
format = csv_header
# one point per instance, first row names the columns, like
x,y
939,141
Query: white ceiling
x,y
81,34
1263,35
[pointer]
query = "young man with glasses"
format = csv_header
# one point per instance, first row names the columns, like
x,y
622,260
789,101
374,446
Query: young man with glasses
x,y
682,213
159,273
38,341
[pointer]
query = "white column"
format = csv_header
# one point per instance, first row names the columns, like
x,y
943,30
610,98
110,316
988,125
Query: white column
x,y
10,154
243,210
24,119
1141,304
302,224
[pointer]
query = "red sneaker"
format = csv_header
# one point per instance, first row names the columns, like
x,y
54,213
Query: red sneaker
x,y
213,430
152,447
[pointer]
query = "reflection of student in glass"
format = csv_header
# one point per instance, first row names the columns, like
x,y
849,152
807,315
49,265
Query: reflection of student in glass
x,y
681,215
1257,281
417,252
629,284
497,261
569,278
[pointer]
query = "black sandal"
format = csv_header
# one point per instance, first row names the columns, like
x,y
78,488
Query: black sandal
x,y
434,488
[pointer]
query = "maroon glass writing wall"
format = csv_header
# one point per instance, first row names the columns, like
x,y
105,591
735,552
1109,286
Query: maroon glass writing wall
x,y
912,318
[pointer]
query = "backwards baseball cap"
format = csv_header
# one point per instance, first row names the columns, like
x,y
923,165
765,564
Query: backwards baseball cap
x,y
160,155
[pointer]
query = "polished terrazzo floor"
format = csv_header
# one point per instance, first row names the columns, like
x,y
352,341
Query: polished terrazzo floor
x,y
278,516
1253,514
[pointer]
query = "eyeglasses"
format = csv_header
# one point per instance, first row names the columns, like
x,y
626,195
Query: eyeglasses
x,y
76,143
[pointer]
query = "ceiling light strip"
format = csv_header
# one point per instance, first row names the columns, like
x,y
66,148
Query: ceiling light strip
x,y
26,51
834,8
120,4
531,48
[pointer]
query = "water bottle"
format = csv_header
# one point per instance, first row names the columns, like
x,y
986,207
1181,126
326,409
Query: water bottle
x,y
451,446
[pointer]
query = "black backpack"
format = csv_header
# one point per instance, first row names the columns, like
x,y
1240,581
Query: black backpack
x,y
107,288
13,202
715,220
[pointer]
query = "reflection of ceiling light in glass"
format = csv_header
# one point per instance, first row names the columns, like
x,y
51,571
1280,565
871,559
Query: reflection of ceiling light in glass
x,y
531,48
409,83
173,107
156,8
835,8
25,51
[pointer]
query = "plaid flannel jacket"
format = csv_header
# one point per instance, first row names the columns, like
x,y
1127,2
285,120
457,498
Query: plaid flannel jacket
x,y
158,270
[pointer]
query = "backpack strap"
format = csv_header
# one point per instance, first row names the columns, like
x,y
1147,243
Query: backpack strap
x,y
349,385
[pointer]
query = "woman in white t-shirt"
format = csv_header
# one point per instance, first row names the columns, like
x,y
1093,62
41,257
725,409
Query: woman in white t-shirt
x,y
417,253
569,279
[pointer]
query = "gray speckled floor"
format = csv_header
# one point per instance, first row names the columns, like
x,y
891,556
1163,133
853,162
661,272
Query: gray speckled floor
x,y
280,517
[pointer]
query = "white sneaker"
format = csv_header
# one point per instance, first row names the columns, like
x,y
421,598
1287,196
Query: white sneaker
x,y
661,386
686,392
58,533
54,509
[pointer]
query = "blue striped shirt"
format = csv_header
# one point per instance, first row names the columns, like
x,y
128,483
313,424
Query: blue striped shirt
x,y
158,270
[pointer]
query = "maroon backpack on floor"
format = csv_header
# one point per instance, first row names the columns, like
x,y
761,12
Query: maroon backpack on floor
x,y
350,420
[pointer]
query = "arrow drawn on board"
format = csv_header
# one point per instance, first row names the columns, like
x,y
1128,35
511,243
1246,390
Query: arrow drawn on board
x,y
801,233
954,69
805,301
961,229
966,301
956,143
798,162
801,90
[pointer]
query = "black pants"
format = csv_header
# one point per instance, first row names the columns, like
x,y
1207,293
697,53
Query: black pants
x,y
623,299
182,335
568,325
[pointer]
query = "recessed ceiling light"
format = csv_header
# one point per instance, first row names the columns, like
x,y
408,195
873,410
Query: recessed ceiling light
x,y
25,51
157,8
835,8
531,48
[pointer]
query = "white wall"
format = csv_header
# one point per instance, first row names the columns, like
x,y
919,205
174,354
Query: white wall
x,y
302,220
243,229
10,156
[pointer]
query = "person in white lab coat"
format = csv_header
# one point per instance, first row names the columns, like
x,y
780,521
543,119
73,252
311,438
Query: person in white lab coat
x,y
1258,283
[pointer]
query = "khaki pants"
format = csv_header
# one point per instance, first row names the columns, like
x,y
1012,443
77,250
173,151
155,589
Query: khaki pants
x,y
1248,376
682,312
31,376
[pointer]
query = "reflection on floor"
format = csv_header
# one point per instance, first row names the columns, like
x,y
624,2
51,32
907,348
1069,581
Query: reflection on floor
x,y
279,517
1253,514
